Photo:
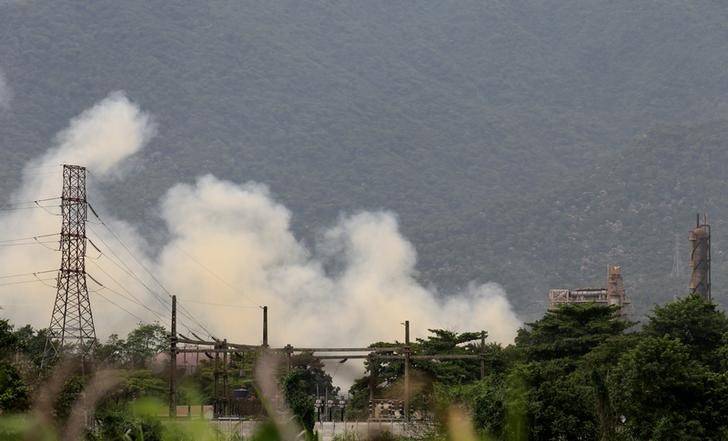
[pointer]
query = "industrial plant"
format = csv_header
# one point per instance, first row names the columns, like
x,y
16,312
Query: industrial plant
x,y
614,293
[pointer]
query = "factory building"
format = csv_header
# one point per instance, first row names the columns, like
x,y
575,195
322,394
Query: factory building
x,y
613,294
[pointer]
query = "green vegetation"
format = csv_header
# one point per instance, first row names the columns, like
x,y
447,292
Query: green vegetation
x,y
300,401
579,373
128,387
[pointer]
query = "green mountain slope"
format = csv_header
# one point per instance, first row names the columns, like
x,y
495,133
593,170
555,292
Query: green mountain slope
x,y
469,119
626,210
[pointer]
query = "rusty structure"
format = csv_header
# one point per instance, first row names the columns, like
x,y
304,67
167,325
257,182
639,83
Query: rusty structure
x,y
72,324
613,295
700,258
615,288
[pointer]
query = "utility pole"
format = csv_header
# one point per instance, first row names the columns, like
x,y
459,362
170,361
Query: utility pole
x,y
407,350
482,354
173,361
265,326
372,384
215,387
289,354
225,405
72,323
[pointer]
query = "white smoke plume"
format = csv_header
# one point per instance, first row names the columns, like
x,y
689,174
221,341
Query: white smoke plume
x,y
240,234
231,250
99,139
5,92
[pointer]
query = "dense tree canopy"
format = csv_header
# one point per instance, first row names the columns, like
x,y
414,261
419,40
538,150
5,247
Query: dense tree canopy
x,y
578,373
569,332
665,394
696,322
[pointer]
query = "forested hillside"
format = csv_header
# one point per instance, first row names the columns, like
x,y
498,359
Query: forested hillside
x,y
523,142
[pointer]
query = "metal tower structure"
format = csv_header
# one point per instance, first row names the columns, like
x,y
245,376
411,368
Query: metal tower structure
x,y
700,258
72,324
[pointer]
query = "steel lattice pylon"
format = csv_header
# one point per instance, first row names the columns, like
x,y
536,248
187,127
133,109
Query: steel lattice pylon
x,y
72,323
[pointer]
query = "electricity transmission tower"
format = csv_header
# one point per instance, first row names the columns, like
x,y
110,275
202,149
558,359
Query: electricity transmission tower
x,y
72,324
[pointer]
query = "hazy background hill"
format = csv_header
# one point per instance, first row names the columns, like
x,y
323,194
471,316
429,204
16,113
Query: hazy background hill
x,y
525,142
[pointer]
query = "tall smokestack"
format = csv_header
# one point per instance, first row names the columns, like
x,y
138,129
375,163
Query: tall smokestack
x,y
615,287
700,258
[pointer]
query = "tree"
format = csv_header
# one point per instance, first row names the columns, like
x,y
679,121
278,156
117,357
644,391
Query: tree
x,y
448,342
389,374
14,393
143,343
696,322
113,352
8,340
723,354
485,399
559,404
441,382
358,403
441,341
140,383
69,395
314,375
595,368
562,399
569,332
295,389
31,345
664,394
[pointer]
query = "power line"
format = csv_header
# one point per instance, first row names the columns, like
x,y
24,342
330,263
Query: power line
x,y
189,315
32,207
133,299
129,252
150,273
26,243
26,281
222,304
10,276
30,237
47,247
33,202
113,291
44,244
45,208
46,284
125,268
136,300
118,306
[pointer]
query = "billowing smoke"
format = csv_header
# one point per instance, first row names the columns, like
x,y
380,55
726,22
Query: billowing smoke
x,y
244,237
99,139
232,245
5,93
